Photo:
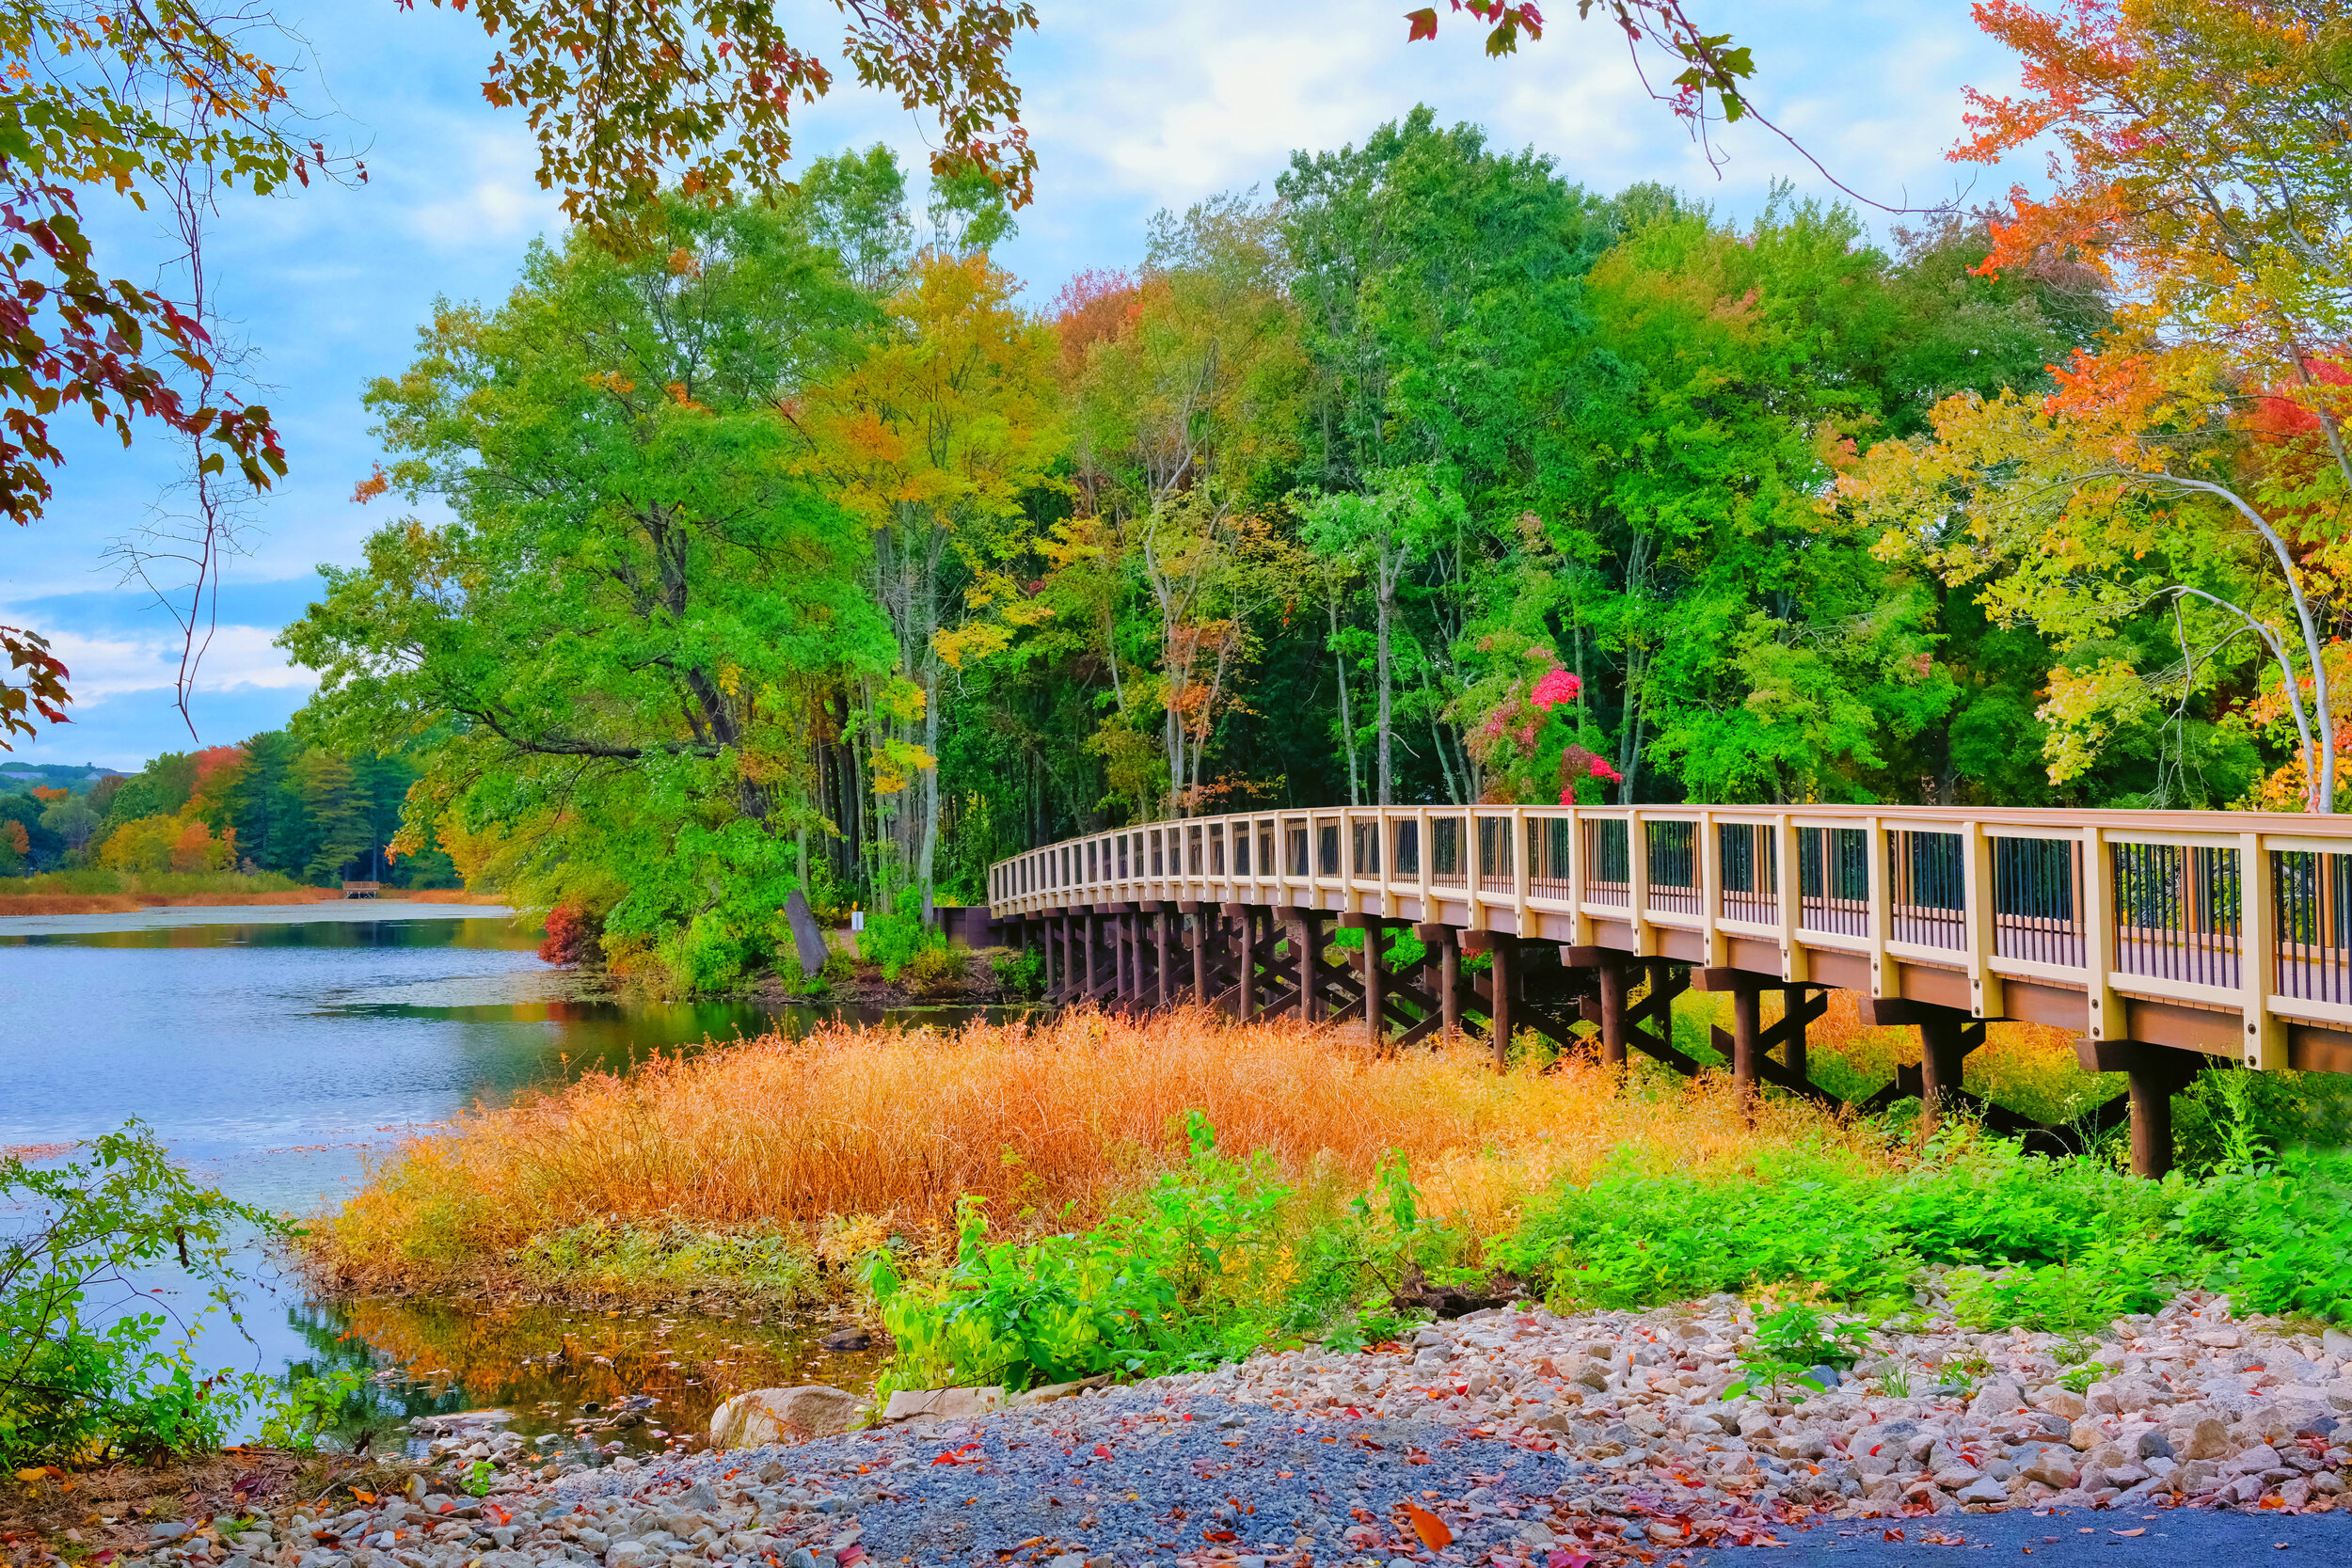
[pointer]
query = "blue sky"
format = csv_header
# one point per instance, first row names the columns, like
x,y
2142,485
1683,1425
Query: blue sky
x,y
1131,109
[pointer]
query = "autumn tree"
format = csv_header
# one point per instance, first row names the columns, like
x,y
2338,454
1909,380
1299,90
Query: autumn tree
x,y
1184,383
2199,142
933,436
178,100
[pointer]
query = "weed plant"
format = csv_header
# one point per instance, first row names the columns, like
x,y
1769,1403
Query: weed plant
x,y
1049,1124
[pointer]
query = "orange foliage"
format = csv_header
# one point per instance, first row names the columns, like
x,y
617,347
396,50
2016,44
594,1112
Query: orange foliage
x,y
1052,1121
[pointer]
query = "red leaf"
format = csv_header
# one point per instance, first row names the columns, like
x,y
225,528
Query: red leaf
x,y
1424,23
1103,1450
1216,1535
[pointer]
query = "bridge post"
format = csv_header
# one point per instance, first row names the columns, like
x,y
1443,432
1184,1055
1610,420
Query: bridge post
x,y
2156,1073
1445,974
1246,948
1130,954
1503,979
1498,983
1164,989
1086,945
1947,1034
1196,911
1307,954
1746,1023
1611,975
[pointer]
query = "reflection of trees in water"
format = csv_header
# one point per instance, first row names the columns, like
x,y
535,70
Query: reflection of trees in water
x,y
377,1406
547,1363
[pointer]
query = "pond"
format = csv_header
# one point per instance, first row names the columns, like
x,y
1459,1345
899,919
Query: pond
x,y
273,1048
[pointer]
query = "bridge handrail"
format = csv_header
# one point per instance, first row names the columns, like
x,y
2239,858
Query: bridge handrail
x,y
2159,905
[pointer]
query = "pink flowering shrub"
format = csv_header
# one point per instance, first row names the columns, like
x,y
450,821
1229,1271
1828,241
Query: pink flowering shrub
x,y
1556,686
1576,763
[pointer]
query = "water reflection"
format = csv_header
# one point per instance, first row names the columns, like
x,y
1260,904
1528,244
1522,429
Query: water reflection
x,y
631,1378
275,1049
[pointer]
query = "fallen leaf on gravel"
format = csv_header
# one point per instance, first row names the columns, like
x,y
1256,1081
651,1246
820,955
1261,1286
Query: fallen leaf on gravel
x,y
1431,1528
1216,1535
1890,1535
2142,1530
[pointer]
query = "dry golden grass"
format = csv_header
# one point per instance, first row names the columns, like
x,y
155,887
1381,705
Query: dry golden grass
x,y
850,1124
129,903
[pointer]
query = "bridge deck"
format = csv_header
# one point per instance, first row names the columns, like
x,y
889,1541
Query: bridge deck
x,y
2223,933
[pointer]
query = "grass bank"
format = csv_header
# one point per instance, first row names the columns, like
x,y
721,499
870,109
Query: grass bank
x,y
1028,1201
100,892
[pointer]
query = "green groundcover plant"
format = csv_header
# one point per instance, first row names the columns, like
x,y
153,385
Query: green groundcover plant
x,y
1223,1255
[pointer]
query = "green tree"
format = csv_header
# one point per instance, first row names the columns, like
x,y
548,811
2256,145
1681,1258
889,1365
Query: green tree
x,y
627,627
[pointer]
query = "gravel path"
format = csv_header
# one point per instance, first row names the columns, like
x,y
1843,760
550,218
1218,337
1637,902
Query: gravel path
x,y
1514,1439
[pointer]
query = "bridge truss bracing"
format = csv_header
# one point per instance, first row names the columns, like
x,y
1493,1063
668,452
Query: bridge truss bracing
x,y
2163,940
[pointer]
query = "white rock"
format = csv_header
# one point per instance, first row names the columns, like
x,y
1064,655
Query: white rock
x,y
782,1414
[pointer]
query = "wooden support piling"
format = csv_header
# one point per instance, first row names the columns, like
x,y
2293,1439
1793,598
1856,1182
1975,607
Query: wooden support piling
x,y
1611,975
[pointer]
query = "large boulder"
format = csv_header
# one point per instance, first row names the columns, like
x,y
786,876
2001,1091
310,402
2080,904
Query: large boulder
x,y
782,1415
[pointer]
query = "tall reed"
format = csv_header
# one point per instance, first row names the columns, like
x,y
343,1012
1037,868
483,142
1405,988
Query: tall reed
x,y
1053,1121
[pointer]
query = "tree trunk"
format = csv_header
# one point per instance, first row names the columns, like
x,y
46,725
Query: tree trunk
x,y
1386,612
1347,720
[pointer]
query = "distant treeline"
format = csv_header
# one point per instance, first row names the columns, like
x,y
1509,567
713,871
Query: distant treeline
x,y
271,803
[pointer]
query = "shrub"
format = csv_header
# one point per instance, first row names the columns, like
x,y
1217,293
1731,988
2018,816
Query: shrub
x,y
1215,1259
81,1380
938,971
896,940
571,937
1020,973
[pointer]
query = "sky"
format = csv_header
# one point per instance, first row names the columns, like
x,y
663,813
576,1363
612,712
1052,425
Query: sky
x,y
1132,109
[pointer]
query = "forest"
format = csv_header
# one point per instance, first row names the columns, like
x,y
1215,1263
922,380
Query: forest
x,y
795,546
270,804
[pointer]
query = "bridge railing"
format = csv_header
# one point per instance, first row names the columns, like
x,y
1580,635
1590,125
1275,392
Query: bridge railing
x,y
2240,913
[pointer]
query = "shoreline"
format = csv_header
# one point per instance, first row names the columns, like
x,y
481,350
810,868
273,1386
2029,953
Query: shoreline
x,y
1510,1437
131,903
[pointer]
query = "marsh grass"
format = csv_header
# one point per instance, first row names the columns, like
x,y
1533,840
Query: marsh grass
x,y
852,1131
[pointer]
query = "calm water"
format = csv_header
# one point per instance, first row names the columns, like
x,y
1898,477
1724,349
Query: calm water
x,y
274,1048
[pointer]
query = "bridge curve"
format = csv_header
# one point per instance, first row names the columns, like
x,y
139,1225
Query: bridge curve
x,y
2165,940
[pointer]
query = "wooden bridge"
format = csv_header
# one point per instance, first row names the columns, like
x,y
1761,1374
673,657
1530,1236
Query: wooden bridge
x,y
2165,940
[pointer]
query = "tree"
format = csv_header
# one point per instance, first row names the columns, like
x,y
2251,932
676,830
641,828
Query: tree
x,y
1403,516
934,436
2200,151
618,641
1184,383
180,99
2108,499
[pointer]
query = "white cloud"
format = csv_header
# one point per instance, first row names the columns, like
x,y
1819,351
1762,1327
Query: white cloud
x,y
239,658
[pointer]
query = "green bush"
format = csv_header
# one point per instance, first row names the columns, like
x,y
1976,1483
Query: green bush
x,y
1214,1261
896,940
2053,1244
81,1382
1021,973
